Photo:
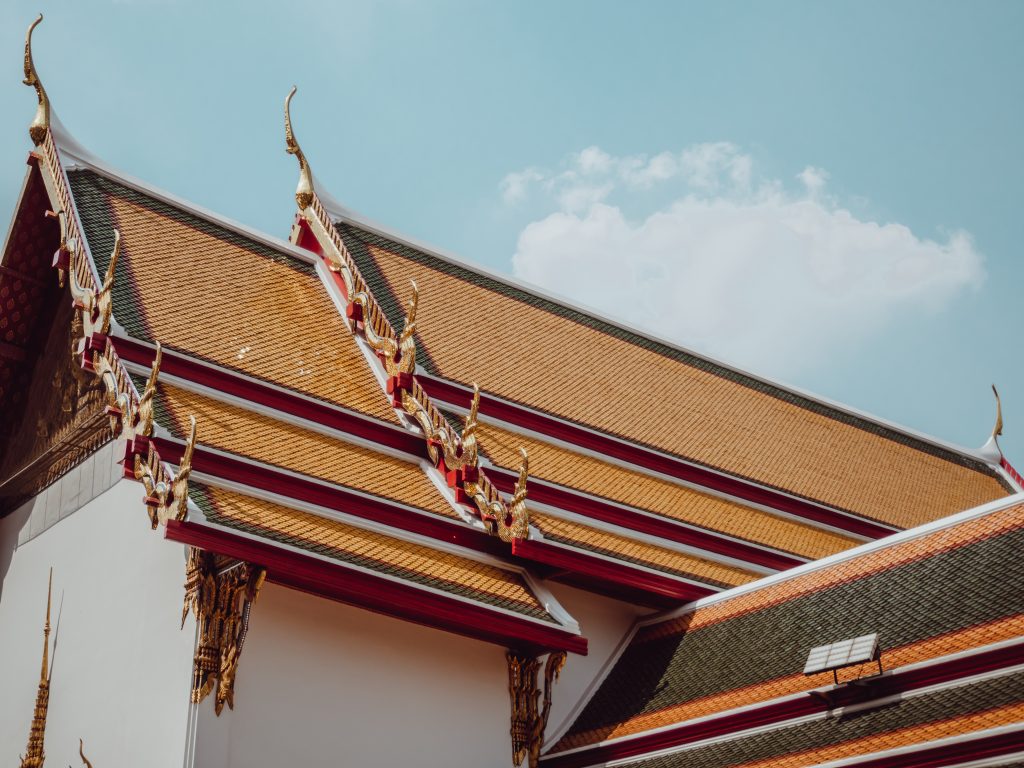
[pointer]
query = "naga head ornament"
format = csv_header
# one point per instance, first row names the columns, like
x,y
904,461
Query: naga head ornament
x,y
146,407
406,342
469,449
517,520
104,301
304,190
40,124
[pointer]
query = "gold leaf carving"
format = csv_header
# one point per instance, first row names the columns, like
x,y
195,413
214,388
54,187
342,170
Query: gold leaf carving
x,y
221,600
529,712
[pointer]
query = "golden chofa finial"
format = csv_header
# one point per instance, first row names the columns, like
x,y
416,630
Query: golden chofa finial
x,y
304,190
34,753
997,430
41,123
991,451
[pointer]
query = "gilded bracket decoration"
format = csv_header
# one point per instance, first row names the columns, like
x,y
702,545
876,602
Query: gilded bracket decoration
x,y
221,600
530,706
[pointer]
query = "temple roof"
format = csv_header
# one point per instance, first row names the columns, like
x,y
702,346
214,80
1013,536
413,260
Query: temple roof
x,y
588,371
205,289
301,459
945,589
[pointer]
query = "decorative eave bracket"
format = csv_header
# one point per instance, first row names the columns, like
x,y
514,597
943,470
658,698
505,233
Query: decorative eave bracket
x,y
530,706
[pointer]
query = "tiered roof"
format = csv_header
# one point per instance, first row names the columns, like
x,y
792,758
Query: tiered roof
x,y
721,682
283,406
302,464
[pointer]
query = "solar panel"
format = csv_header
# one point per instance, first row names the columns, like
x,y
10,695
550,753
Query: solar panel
x,y
842,653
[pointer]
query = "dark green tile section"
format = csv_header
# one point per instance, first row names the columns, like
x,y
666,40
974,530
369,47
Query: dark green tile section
x,y
98,222
916,710
973,584
200,496
358,239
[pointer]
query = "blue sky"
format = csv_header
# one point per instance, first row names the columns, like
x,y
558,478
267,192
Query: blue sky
x,y
834,198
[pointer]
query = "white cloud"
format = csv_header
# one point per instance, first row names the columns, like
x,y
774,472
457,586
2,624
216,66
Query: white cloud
x,y
515,185
731,264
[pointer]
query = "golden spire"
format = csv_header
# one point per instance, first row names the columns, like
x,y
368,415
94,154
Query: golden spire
x,y
34,755
41,122
304,190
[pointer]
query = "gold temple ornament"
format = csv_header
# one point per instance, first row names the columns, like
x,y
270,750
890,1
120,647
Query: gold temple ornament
x,y
221,599
530,706
40,124
304,189
144,413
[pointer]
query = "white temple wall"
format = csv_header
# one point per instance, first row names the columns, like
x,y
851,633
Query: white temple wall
x,y
605,623
122,664
325,684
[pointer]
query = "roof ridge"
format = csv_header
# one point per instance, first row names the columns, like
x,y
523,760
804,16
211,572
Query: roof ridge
x,y
455,454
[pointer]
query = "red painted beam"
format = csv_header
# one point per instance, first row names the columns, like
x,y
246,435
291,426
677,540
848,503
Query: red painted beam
x,y
599,575
331,497
866,690
607,571
646,458
335,581
571,501
177,364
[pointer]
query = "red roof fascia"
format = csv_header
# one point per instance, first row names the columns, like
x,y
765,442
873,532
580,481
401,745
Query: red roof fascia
x,y
602,570
176,364
335,581
867,689
599,573
330,497
588,506
646,458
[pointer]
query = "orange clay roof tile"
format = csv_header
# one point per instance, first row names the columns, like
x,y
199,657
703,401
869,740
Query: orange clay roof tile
x,y
262,438
367,549
533,351
664,497
197,287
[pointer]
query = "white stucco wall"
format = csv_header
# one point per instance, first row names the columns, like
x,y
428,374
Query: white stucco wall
x,y
605,623
122,665
320,683
324,684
